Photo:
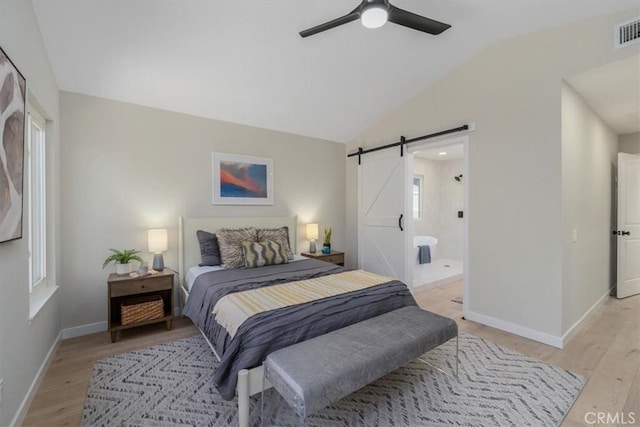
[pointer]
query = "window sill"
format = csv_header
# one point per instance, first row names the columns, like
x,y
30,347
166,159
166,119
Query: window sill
x,y
39,298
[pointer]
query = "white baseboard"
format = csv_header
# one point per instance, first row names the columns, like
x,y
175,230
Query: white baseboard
x,y
35,384
78,331
576,326
542,337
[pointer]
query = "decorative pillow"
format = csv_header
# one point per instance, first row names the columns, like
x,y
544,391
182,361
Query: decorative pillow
x,y
209,248
277,234
259,254
230,242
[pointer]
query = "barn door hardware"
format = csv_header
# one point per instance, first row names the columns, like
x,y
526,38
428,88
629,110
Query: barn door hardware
x,y
403,141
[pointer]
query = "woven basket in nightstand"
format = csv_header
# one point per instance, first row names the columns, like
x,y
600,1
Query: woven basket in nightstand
x,y
135,310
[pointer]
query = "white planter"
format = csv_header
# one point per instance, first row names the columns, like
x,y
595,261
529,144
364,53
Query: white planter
x,y
122,269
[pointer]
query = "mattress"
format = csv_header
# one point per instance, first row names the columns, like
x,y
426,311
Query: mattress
x,y
269,331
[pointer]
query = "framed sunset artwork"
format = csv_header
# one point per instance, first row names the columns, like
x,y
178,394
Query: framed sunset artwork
x,y
242,180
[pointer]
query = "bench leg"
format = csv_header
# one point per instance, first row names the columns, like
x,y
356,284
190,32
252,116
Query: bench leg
x,y
441,370
457,359
243,398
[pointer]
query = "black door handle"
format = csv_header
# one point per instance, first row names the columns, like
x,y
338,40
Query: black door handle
x,y
626,233
400,222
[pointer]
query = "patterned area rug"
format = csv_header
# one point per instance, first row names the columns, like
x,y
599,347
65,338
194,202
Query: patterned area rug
x,y
170,384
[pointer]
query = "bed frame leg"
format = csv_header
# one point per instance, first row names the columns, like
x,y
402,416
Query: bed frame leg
x,y
243,398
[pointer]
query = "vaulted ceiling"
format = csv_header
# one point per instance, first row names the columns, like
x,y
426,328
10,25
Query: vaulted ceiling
x,y
244,62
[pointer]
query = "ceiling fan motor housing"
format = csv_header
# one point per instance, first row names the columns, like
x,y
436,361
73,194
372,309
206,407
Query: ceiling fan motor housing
x,y
374,13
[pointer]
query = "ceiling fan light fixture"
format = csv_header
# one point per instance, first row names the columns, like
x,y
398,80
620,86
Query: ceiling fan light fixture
x,y
374,16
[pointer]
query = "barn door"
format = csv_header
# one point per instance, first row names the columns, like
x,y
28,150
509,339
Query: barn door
x,y
383,186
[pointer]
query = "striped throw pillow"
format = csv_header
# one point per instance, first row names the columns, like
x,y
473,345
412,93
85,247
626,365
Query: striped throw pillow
x,y
259,254
277,234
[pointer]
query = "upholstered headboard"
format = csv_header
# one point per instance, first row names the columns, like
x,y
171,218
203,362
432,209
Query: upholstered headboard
x,y
189,248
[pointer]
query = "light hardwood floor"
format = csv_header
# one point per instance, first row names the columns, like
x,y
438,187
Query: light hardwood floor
x,y
606,350
60,398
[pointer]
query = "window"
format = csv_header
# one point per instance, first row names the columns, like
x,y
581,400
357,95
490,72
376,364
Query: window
x,y
37,201
417,196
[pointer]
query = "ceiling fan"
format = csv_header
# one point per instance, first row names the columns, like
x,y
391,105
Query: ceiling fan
x,y
375,13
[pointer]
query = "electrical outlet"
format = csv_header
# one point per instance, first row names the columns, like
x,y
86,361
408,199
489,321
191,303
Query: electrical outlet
x,y
1,382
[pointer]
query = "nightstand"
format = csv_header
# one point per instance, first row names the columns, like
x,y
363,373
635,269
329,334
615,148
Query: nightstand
x,y
126,287
335,257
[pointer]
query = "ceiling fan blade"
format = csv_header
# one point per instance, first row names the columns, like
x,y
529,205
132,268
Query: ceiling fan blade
x,y
332,24
417,22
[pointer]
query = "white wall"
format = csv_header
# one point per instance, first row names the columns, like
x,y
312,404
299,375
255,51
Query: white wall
x,y
127,168
589,155
629,143
442,198
23,344
516,236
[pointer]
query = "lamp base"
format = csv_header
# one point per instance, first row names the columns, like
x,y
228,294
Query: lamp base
x,y
312,247
158,262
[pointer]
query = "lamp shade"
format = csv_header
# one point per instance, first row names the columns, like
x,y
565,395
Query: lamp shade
x,y
158,241
312,231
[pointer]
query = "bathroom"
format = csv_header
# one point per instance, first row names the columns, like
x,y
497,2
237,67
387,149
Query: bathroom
x,y
438,215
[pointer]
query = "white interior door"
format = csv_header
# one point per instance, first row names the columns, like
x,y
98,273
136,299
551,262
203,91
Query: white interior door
x,y
628,229
383,186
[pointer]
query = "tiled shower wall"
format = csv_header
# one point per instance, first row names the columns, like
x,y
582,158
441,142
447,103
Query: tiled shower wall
x,y
442,198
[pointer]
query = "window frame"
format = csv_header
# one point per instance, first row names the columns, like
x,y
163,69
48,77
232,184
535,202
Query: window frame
x,y
37,200
420,179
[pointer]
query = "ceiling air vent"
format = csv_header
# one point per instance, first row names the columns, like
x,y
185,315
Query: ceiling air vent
x,y
627,33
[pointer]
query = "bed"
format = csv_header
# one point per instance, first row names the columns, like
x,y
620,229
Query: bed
x,y
241,350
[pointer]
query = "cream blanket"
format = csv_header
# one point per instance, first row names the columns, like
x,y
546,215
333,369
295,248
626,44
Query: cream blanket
x,y
233,309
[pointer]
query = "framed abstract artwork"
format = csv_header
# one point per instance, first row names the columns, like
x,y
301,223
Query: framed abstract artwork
x,y
13,89
242,180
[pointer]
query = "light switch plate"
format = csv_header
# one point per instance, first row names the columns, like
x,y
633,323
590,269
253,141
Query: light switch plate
x,y
1,382
575,235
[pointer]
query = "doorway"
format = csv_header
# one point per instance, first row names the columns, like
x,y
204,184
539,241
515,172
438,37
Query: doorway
x,y
438,231
601,148
385,211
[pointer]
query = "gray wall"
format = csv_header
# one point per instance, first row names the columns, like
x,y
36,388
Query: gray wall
x,y
516,233
629,143
128,168
23,344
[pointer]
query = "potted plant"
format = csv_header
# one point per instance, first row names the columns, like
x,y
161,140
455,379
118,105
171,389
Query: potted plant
x,y
122,260
326,244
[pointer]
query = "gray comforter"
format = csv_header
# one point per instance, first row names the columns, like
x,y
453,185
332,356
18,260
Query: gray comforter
x,y
272,330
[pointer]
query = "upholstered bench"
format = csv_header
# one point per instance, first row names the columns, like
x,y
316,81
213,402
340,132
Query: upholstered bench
x,y
315,373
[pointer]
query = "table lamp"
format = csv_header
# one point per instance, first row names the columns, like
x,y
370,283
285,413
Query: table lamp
x,y
158,244
312,235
